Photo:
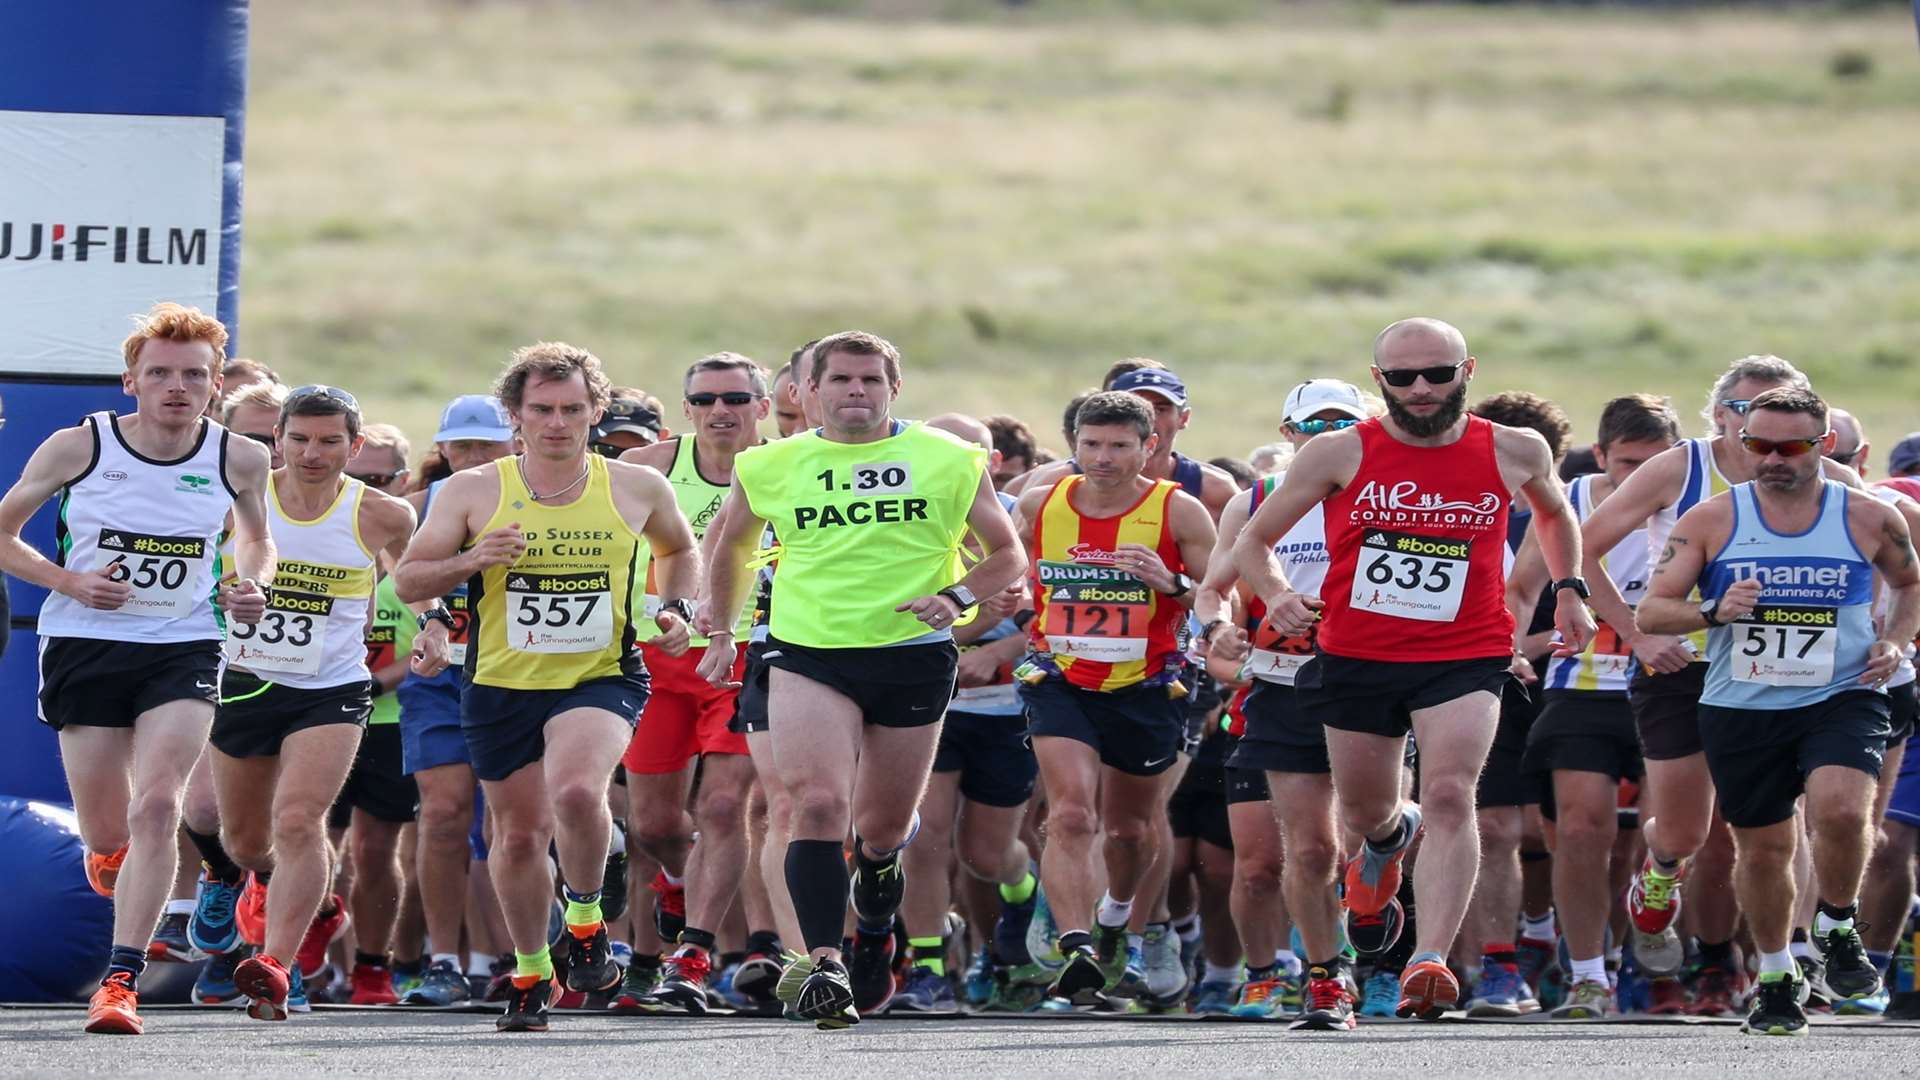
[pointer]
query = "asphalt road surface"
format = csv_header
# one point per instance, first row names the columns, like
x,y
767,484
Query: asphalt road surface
x,y
400,1044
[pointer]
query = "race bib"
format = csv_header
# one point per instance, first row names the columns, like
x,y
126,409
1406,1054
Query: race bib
x,y
1095,612
560,613
1408,576
1276,658
381,642
1785,646
462,628
1610,655
290,638
157,568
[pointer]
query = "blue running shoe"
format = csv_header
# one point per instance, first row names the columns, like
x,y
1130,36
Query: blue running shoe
x,y
212,929
1500,991
979,983
1010,929
214,985
442,985
1215,998
924,992
170,944
297,1000
1382,995
1043,935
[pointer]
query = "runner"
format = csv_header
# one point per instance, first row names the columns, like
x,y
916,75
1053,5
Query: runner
x,y
1584,737
294,695
474,430
1013,440
1110,551
254,413
1278,741
556,537
630,423
686,717
1415,632
1793,701
129,639
1684,837
870,512
788,417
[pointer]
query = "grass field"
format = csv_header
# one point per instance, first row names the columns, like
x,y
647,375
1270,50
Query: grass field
x,y
1603,201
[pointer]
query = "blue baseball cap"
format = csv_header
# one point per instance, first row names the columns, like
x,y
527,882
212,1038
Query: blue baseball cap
x,y
474,416
1153,381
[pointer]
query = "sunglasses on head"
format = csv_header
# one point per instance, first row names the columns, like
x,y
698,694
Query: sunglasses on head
x,y
379,480
1783,447
331,393
731,397
1436,376
1321,427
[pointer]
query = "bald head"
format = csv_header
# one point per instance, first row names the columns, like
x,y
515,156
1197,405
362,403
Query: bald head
x,y
1849,440
1429,341
965,427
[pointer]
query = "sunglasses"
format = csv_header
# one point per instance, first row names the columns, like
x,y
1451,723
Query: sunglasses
x,y
1844,458
263,440
331,393
379,480
1436,376
1783,447
1321,427
1738,405
731,397
605,449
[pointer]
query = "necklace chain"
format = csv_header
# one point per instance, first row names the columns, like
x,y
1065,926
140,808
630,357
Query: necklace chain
x,y
537,497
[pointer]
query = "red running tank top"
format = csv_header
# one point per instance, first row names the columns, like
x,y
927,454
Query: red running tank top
x,y
1418,548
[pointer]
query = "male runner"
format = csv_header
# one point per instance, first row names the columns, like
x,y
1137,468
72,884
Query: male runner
x,y
1013,440
1110,555
788,417
870,512
686,717
1584,737
1677,797
474,430
294,696
554,541
1414,631
1279,739
1793,702
129,641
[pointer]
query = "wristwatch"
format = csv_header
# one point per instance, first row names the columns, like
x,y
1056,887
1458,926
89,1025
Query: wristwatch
x,y
680,606
1182,585
1710,611
1206,632
961,596
437,614
1577,584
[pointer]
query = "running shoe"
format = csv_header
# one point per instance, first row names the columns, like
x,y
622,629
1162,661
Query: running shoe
x,y
214,985
792,977
1874,1004
1589,999
441,986
757,975
979,982
1258,998
1382,995
115,1007
1043,934
1081,977
322,932
102,872
1292,991
1667,996
297,999
1813,972
1850,975
1014,997
1718,992
528,999
1111,948
1133,974
613,888
1500,991
878,885
1010,930
869,967
170,944
1166,978
1427,989
407,974
1327,1004
683,981
669,907
1372,934
590,966
1653,903
1534,957
635,993
1776,1007
266,984
212,929
373,985
1215,998
250,914
1373,875
925,992
826,997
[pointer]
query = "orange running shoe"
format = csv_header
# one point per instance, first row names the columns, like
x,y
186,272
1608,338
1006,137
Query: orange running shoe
x,y
372,986
323,931
1427,988
1373,876
113,1008
104,870
266,983
250,914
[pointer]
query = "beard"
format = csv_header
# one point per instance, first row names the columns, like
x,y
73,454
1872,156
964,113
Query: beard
x,y
1426,427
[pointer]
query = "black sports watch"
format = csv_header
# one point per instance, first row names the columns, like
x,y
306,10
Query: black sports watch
x,y
1182,585
1206,632
1710,611
680,606
961,596
437,614
1577,584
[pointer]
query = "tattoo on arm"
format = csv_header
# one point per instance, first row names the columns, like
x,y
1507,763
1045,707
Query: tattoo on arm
x,y
1896,534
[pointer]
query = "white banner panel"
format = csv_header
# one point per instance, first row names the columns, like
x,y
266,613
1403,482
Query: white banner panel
x,y
101,217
